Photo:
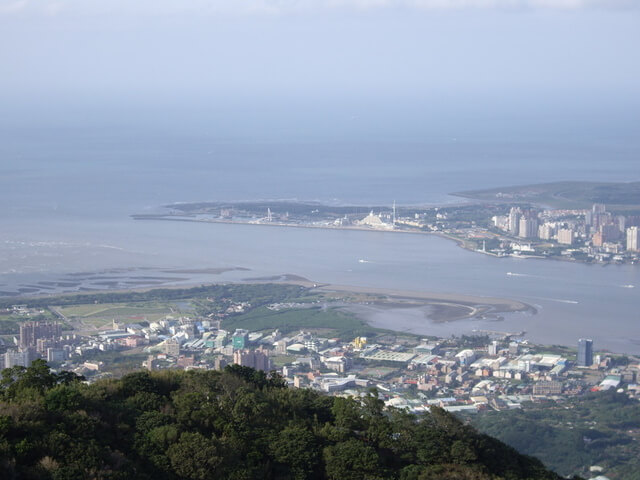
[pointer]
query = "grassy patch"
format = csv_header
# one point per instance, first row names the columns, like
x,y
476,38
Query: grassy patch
x,y
281,360
97,314
343,324
556,350
378,372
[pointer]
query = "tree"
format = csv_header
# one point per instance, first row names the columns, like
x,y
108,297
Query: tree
x,y
195,457
296,447
351,460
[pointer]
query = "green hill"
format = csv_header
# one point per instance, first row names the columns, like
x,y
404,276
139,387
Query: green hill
x,y
619,197
236,424
596,429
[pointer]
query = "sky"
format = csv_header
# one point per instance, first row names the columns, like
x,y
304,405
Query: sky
x,y
99,57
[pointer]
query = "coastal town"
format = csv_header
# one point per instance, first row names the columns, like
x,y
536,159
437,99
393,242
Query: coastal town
x,y
467,374
589,235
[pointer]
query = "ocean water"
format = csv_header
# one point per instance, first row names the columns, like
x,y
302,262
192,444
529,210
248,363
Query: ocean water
x,y
67,193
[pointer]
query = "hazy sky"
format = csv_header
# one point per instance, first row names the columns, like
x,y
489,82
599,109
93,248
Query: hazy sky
x,y
443,53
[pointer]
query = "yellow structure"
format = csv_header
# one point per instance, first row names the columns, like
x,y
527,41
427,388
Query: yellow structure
x,y
360,342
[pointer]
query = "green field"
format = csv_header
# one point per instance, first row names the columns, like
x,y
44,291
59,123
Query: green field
x,y
378,372
342,324
281,360
99,314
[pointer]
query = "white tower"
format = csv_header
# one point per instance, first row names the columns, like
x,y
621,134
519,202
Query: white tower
x,y
393,220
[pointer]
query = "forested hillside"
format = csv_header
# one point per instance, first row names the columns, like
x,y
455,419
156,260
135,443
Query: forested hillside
x,y
597,429
236,424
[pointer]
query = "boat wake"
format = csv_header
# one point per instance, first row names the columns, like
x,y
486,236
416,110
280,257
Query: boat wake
x,y
559,300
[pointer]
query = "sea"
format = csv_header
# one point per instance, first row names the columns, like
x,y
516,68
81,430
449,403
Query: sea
x,y
68,190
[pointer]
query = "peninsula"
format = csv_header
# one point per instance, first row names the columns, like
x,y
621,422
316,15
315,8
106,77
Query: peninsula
x,y
554,221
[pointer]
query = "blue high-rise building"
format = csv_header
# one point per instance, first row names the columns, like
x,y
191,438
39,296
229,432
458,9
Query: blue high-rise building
x,y
585,352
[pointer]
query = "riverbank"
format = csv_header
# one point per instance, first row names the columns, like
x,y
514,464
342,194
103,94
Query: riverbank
x,y
463,243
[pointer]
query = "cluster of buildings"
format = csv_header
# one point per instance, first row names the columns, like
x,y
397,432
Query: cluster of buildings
x,y
600,233
585,235
408,372
595,234
38,339
411,373
499,375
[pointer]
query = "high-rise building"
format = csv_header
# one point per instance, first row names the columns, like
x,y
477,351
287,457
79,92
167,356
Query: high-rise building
x,y
528,227
596,217
610,232
633,239
22,358
565,236
257,359
598,239
546,231
585,352
31,332
514,220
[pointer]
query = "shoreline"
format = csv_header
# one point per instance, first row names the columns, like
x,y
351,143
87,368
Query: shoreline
x,y
393,301
453,298
474,306
437,308
460,242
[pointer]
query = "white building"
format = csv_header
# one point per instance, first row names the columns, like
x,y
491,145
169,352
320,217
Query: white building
x,y
18,359
374,221
633,239
546,231
514,220
565,236
465,357
528,227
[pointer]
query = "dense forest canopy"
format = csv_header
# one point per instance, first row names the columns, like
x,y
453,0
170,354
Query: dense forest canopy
x,y
595,429
235,424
